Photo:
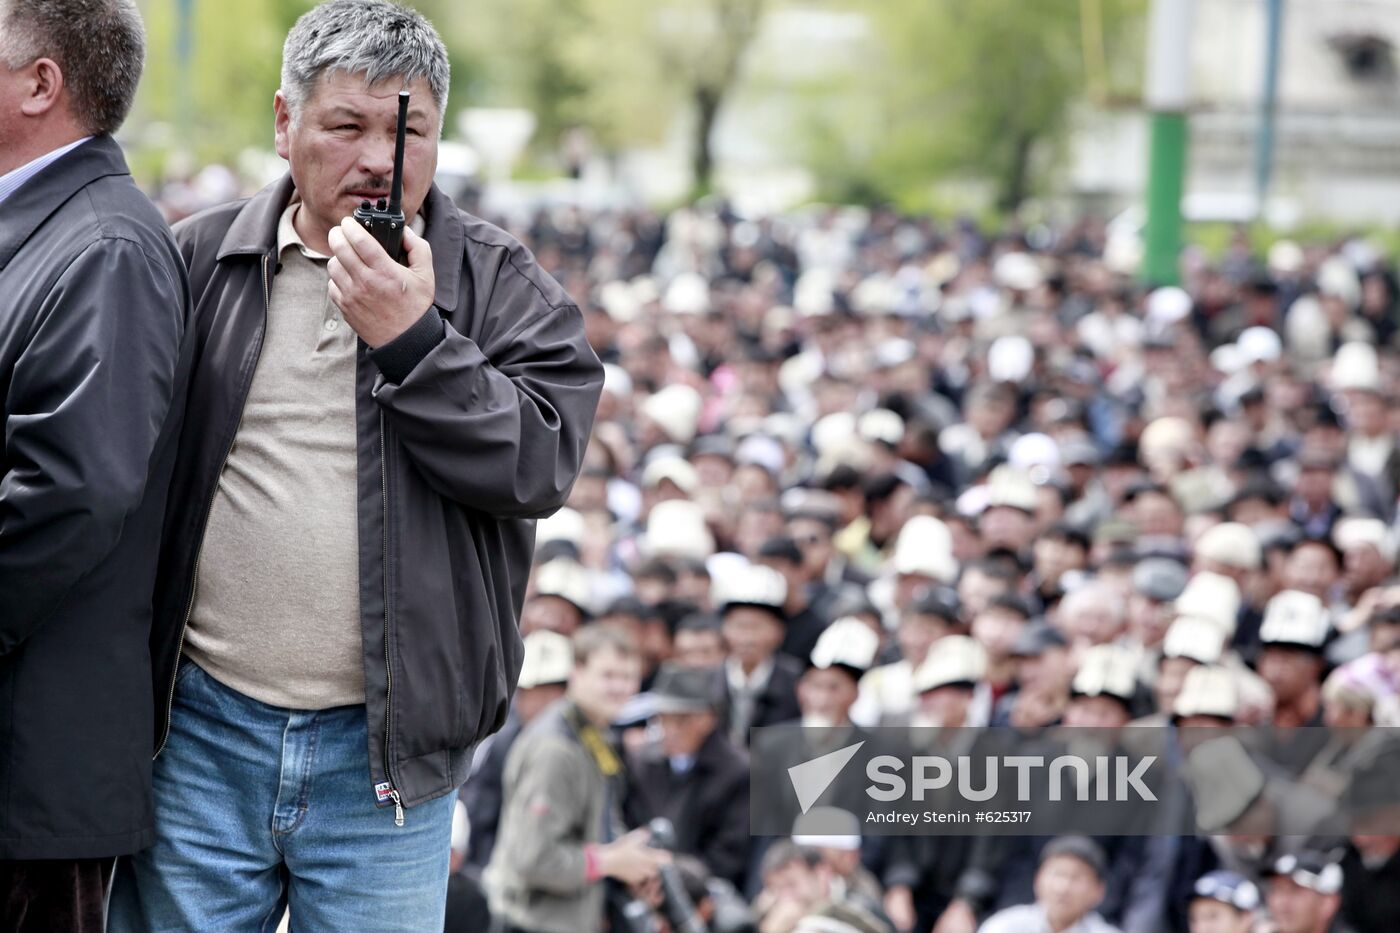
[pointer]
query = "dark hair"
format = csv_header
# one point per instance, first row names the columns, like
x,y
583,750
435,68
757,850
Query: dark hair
x,y
785,852
99,45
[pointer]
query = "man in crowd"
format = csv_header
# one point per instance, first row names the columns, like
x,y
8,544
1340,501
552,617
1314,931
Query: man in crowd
x,y
345,561
1069,884
561,833
92,383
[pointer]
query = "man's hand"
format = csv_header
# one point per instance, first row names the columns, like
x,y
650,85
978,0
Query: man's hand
x,y
958,918
899,907
630,860
379,298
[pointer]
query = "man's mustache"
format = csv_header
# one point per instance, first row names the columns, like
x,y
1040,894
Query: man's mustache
x,y
377,183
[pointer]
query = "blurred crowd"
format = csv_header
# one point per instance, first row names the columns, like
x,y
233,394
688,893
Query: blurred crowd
x,y
854,469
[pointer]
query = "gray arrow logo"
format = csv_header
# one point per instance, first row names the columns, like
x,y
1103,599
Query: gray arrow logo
x,y
811,778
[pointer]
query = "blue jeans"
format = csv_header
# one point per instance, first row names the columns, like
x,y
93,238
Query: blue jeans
x,y
261,809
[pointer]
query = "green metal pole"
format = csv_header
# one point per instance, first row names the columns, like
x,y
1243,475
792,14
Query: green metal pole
x,y
1166,179
1168,94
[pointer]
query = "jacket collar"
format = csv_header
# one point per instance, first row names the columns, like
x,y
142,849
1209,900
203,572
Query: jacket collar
x,y
254,231
49,190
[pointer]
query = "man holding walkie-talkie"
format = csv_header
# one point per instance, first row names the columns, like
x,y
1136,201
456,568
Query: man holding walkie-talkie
x,y
347,549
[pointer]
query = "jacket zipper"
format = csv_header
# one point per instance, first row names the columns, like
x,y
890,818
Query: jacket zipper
x,y
388,665
203,525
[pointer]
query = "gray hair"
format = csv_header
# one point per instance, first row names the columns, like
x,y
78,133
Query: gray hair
x,y
99,45
371,37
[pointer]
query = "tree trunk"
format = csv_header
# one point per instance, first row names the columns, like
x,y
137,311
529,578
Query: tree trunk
x,y
1016,183
707,102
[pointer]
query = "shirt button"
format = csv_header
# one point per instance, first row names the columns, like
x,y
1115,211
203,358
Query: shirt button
x,y
330,324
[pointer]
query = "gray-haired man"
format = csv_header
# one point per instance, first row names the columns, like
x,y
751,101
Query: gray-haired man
x,y
91,378
347,555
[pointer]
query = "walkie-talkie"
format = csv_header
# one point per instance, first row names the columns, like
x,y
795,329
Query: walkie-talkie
x,y
385,222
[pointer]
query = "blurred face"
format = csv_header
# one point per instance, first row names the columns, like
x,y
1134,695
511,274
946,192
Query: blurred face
x,y
1096,713
1091,623
826,696
1365,567
1054,557
1157,515
1290,673
917,633
945,706
752,635
1006,527
1311,568
1297,909
340,146
976,589
604,683
1148,619
699,648
997,630
551,614
795,883
529,701
1171,674
684,733
1067,889
813,539
1045,673
1209,916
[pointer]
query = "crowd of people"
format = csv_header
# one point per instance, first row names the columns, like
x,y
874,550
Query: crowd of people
x,y
854,469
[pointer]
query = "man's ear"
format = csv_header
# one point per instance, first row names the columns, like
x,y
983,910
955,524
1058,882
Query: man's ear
x,y
43,87
282,123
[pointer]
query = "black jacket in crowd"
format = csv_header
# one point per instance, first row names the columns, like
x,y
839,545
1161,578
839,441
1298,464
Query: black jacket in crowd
x,y
470,425
708,804
93,363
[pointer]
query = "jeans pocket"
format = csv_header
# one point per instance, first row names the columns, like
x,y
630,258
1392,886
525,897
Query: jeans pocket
x,y
185,666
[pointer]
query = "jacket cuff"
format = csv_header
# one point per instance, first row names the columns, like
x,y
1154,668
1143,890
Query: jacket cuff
x,y
397,358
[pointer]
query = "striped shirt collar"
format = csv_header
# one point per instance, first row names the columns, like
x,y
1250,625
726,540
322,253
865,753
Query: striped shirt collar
x,y
12,181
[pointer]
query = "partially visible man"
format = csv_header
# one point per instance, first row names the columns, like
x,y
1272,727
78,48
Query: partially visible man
x,y
561,832
1222,902
345,563
1069,884
1304,894
92,378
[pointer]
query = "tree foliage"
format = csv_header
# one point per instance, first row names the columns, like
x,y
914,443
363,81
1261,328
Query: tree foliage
x,y
982,90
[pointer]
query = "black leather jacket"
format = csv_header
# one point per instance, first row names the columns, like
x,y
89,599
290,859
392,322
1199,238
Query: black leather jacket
x,y
483,431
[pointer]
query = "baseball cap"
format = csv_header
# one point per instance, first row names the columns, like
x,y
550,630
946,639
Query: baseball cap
x,y
1082,848
1312,870
1228,888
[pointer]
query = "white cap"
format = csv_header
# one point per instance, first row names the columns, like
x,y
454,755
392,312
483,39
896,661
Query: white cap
x,y
1233,544
619,301
881,425
565,579
925,547
1010,358
953,659
1213,597
1106,670
1166,433
831,431
676,528
616,380
688,293
1019,271
1295,618
1168,305
676,409
1259,345
1200,640
676,469
1355,531
748,585
812,295
1208,691
893,351
1286,257
1010,487
1034,450
548,659
763,450
847,642
1337,277
1355,366
827,828
874,294
564,525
